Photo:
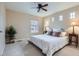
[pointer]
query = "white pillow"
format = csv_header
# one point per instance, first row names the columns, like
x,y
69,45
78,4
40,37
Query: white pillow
x,y
63,34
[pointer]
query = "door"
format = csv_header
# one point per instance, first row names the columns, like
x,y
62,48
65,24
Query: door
x,y
2,28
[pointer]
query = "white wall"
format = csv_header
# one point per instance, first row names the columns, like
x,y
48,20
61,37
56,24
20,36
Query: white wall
x,y
2,28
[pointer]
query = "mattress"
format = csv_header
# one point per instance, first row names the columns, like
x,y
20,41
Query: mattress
x,y
49,44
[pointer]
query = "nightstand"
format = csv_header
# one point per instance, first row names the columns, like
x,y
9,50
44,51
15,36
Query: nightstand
x,y
73,38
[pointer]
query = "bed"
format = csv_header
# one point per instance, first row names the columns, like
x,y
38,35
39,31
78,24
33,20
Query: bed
x,y
49,44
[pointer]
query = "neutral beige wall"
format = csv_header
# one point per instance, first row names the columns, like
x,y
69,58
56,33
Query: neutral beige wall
x,y
21,22
66,20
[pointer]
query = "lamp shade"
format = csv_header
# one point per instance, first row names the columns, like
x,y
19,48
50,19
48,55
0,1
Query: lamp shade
x,y
73,23
46,23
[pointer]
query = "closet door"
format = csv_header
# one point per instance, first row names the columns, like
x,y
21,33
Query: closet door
x,y
2,28
1,35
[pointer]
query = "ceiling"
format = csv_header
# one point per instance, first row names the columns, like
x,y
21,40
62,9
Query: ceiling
x,y
30,7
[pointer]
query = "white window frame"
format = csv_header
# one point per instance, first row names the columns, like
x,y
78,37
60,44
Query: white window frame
x,y
61,18
72,15
34,26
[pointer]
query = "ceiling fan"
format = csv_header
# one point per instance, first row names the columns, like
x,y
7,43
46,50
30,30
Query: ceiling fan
x,y
41,6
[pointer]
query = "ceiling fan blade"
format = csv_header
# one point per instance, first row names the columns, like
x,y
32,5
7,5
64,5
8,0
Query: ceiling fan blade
x,y
38,9
45,5
44,9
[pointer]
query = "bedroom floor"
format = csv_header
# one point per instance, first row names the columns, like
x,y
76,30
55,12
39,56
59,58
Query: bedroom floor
x,y
18,49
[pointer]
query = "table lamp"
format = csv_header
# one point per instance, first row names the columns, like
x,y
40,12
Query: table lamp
x,y
74,23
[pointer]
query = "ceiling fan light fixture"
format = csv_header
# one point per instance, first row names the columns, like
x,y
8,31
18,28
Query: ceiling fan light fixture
x,y
41,6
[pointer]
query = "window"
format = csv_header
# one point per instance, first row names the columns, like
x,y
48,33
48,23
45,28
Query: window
x,y
60,17
34,26
72,15
52,19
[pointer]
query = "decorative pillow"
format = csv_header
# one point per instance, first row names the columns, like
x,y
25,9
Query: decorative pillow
x,y
57,34
63,34
45,32
50,32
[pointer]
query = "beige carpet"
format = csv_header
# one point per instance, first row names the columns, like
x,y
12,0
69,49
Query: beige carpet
x,y
31,50
19,49
66,51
